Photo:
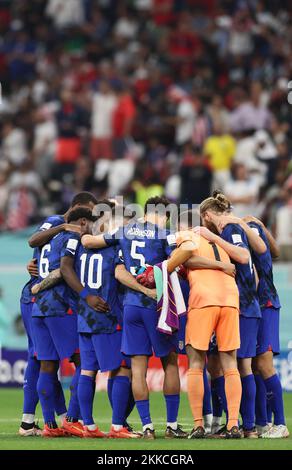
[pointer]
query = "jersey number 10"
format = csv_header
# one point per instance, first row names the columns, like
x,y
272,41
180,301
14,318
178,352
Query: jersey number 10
x,y
91,270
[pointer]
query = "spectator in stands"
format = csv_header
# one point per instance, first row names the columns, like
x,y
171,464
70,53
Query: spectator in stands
x,y
21,52
69,120
65,14
14,144
242,191
232,65
123,121
220,149
252,114
44,141
203,125
24,188
196,176
185,116
126,26
219,114
103,108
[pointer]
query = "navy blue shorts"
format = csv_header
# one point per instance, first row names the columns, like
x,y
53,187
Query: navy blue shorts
x,y
181,335
249,328
55,338
102,352
26,310
268,334
140,335
213,347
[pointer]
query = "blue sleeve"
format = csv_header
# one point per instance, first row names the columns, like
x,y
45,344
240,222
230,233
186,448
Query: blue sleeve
x,y
234,234
50,222
170,243
118,257
70,246
113,238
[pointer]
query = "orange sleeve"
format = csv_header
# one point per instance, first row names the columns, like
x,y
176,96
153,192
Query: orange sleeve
x,y
187,236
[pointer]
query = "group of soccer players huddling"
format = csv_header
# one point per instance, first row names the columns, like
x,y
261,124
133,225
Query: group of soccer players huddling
x,y
91,298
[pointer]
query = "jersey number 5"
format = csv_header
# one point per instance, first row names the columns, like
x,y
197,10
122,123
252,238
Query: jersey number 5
x,y
137,256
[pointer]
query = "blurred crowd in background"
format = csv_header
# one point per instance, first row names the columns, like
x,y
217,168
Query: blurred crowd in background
x,y
146,97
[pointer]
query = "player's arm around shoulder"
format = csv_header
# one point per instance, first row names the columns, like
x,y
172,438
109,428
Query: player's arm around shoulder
x,y
231,241
46,232
53,278
255,241
274,248
186,245
128,280
90,242
68,255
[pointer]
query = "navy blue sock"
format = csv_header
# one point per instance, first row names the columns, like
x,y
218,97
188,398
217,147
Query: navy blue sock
x,y
73,408
247,407
143,407
60,402
46,392
261,401
30,392
269,412
86,396
207,407
172,406
131,404
275,398
110,383
120,399
219,384
216,402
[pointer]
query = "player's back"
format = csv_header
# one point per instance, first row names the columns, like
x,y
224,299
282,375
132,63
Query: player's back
x,y
49,222
209,286
96,272
144,243
267,291
245,275
59,298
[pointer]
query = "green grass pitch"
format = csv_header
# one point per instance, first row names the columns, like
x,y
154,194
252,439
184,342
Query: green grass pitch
x,y
10,413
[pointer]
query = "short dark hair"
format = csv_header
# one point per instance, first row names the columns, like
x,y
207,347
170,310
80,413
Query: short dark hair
x,y
107,206
155,201
83,198
81,213
129,214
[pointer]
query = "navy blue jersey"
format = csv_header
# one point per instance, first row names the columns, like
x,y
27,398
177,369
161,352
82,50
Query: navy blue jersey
x,y
56,300
96,272
121,294
26,295
142,243
245,275
267,292
52,221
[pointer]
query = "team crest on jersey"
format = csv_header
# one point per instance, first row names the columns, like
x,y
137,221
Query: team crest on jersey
x,y
236,238
46,226
171,239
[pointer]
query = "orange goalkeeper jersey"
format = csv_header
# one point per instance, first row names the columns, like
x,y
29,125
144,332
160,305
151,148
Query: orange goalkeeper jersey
x,y
209,286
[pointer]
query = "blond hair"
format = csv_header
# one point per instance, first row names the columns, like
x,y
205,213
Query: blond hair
x,y
217,203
